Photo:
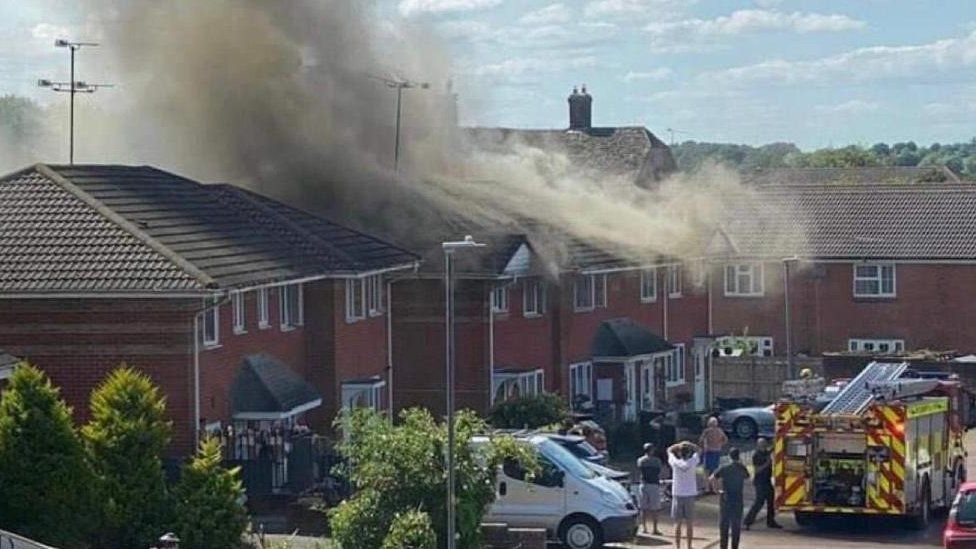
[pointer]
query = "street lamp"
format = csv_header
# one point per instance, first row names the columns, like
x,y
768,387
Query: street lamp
x,y
72,87
399,85
449,249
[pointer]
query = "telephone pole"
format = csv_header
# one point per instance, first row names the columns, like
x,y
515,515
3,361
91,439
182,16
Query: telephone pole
x,y
399,85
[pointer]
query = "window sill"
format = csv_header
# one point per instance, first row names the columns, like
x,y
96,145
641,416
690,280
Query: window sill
x,y
264,325
675,296
287,328
648,300
753,296
211,346
499,311
875,297
583,309
532,315
374,314
354,319
670,384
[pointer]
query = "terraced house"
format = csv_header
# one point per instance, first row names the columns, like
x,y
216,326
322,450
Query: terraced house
x,y
248,313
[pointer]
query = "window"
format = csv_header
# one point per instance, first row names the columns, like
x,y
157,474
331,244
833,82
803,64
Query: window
x,y
874,280
290,306
743,346
374,295
511,384
355,303
876,345
699,273
583,293
674,281
363,394
648,285
263,320
237,302
744,279
676,365
600,290
211,324
534,298
580,380
499,299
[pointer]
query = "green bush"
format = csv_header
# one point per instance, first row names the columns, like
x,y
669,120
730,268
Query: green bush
x,y
529,412
411,530
45,480
126,438
209,504
396,469
624,438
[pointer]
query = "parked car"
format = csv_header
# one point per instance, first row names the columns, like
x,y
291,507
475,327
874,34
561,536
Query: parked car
x,y
960,528
575,505
749,422
580,447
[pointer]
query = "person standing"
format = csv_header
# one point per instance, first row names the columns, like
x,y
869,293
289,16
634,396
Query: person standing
x,y
762,480
650,467
713,441
684,460
733,476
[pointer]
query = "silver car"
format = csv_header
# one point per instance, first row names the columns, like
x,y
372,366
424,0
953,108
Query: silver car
x,y
749,422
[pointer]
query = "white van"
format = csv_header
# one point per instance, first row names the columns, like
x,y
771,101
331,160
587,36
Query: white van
x,y
567,498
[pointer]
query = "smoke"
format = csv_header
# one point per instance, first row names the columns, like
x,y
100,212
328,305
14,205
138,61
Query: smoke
x,y
287,98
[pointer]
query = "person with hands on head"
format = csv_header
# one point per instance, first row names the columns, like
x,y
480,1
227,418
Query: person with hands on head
x,y
683,458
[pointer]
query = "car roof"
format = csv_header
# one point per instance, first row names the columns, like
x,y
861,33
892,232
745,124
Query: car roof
x,y
576,439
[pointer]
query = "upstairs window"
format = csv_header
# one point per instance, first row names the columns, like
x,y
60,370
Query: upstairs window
x,y
355,300
674,281
263,320
237,302
211,323
589,291
600,290
534,298
290,306
374,295
876,345
744,280
499,299
874,280
648,285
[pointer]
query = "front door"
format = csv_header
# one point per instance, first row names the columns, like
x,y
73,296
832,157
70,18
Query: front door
x,y
630,382
699,357
647,385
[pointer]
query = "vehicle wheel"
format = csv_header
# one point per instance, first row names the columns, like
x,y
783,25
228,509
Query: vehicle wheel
x,y
745,428
805,519
920,520
581,533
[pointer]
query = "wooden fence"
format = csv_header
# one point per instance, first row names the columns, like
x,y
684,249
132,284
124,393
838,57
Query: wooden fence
x,y
756,377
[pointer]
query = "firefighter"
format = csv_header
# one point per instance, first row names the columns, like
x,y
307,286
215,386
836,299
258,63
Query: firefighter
x,y
762,481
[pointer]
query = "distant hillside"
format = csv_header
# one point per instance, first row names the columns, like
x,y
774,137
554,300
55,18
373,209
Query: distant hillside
x,y
959,157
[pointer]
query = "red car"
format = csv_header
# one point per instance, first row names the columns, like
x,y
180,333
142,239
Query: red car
x,y
960,529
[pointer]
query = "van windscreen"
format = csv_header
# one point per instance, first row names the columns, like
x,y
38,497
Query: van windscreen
x,y
565,460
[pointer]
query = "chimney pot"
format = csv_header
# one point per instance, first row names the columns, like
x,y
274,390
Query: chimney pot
x,y
580,110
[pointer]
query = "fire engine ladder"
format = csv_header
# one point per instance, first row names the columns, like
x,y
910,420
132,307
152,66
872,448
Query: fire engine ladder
x,y
857,394
903,388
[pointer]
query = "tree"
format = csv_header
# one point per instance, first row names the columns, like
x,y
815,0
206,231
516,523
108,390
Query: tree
x,y
411,530
209,502
396,469
45,482
125,438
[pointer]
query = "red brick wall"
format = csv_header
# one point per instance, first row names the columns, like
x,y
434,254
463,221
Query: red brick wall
x,y
360,346
526,342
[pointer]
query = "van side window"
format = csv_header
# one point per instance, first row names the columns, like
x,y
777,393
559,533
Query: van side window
x,y
513,469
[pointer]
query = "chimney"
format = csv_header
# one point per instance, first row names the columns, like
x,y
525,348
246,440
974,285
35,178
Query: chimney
x,y
580,110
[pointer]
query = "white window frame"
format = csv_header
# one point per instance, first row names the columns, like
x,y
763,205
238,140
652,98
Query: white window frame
x,y
355,300
288,319
499,299
581,373
676,366
759,343
583,288
264,322
213,314
674,281
533,298
374,394
753,270
874,345
648,290
877,278
240,313
600,291
373,286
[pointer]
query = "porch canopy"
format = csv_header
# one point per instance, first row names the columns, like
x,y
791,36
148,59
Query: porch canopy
x,y
7,363
267,389
620,339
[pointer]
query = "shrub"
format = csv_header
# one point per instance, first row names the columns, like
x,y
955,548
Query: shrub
x,y
411,530
126,438
45,481
209,502
623,438
529,412
396,469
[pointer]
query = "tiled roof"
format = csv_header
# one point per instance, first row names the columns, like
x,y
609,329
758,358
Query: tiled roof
x,y
862,221
633,152
867,174
106,228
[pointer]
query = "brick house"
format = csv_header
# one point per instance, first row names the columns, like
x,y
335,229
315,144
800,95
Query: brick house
x,y
878,260
245,311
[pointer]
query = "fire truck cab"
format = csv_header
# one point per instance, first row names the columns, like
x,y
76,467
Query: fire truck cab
x,y
890,442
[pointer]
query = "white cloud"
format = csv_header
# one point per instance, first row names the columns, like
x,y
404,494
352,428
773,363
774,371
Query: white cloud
x,y
551,14
662,73
768,3
411,7
924,61
47,31
524,65
854,106
466,29
697,33
640,8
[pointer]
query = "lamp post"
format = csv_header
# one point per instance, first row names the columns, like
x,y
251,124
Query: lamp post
x,y
449,249
71,87
399,85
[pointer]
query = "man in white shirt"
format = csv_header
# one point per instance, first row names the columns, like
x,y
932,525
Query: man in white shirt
x,y
684,459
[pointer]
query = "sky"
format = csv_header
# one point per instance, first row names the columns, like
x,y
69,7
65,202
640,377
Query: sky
x,y
816,73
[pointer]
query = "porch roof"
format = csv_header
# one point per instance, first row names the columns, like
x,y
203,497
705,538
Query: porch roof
x,y
265,388
624,337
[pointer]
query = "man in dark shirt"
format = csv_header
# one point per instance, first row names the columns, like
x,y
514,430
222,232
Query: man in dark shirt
x,y
762,464
733,476
650,466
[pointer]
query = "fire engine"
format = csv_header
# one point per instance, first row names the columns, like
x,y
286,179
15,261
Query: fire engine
x,y
889,442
